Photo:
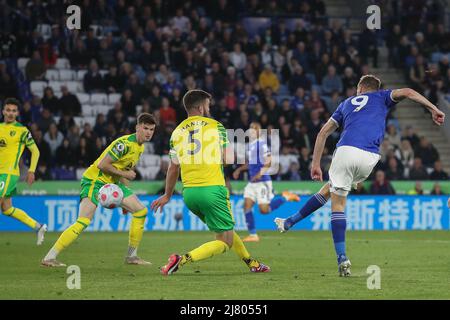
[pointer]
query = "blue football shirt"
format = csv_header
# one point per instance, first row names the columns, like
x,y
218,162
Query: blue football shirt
x,y
363,119
257,151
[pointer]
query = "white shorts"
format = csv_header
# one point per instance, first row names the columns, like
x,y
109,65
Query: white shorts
x,y
259,192
349,167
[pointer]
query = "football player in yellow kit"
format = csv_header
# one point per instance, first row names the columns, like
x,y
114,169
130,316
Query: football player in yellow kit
x,y
115,165
14,137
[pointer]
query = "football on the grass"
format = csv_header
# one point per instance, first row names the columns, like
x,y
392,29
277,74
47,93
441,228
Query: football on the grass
x,y
110,196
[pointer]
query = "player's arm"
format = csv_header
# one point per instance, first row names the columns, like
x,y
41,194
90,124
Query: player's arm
x,y
33,162
400,94
238,171
171,180
264,169
106,165
327,129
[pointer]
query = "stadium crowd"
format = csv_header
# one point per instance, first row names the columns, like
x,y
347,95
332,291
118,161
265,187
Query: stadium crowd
x,y
289,76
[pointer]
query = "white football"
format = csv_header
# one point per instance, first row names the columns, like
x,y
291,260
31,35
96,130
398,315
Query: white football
x,y
110,196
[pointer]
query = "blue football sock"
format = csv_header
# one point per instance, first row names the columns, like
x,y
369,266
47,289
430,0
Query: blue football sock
x,y
276,202
313,203
338,226
250,220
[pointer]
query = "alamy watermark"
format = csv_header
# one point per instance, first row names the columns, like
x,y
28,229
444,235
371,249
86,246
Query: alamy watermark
x,y
374,279
374,20
74,278
74,19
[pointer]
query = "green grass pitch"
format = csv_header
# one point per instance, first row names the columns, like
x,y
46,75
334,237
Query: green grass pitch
x,y
414,265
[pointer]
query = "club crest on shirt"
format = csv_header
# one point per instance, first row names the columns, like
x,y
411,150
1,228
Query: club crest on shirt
x,y
12,133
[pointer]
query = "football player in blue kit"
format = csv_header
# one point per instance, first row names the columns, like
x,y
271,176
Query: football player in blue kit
x,y
362,118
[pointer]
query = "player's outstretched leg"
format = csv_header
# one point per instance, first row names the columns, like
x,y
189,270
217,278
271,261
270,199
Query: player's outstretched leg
x,y
135,237
314,203
205,251
22,216
86,211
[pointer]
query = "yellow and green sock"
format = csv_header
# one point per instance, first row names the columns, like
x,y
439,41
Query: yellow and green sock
x,y
136,231
68,237
23,217
205,251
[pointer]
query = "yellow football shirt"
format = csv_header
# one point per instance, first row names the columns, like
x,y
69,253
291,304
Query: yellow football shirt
x,y
125,151
14,137
196,144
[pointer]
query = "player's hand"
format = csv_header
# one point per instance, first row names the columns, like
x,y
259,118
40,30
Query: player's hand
x,y
129,175
236,174
159,203
438,117
256,178
316,173
30,178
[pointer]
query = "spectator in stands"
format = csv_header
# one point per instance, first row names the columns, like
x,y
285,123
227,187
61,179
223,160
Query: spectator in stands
x,y
113,81
43,173
167,113
54,138
35,67
163,166
438,172
44,148
100,125
393,137
405,153
349,80
93,80
65,156
45,120
437,191
128,103
394,172
305,163
418,190
411,136
418,171
299,80
293,173
427,152
314,102
381,185
79,57
84,154
417,74
74,136
237,58
69,103
268,79
50,101
331,82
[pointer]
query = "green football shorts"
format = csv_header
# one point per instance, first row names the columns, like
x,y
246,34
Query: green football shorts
x,y
212,205
90,188
8,183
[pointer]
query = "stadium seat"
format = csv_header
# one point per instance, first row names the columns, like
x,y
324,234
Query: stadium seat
x,y
90,120
149,173
113,98
37,86
80,74
55,85
104,72
87,110
101,109
62,63
149,148
99,98
98,30
84,98
138,109
74,86
66,75
52,75
22,62
284,90
45,30
79,173
436,56
311,77
57,93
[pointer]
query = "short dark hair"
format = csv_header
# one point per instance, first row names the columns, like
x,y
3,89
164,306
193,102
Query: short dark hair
x,y
369,81
194,98
13,101
146,118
